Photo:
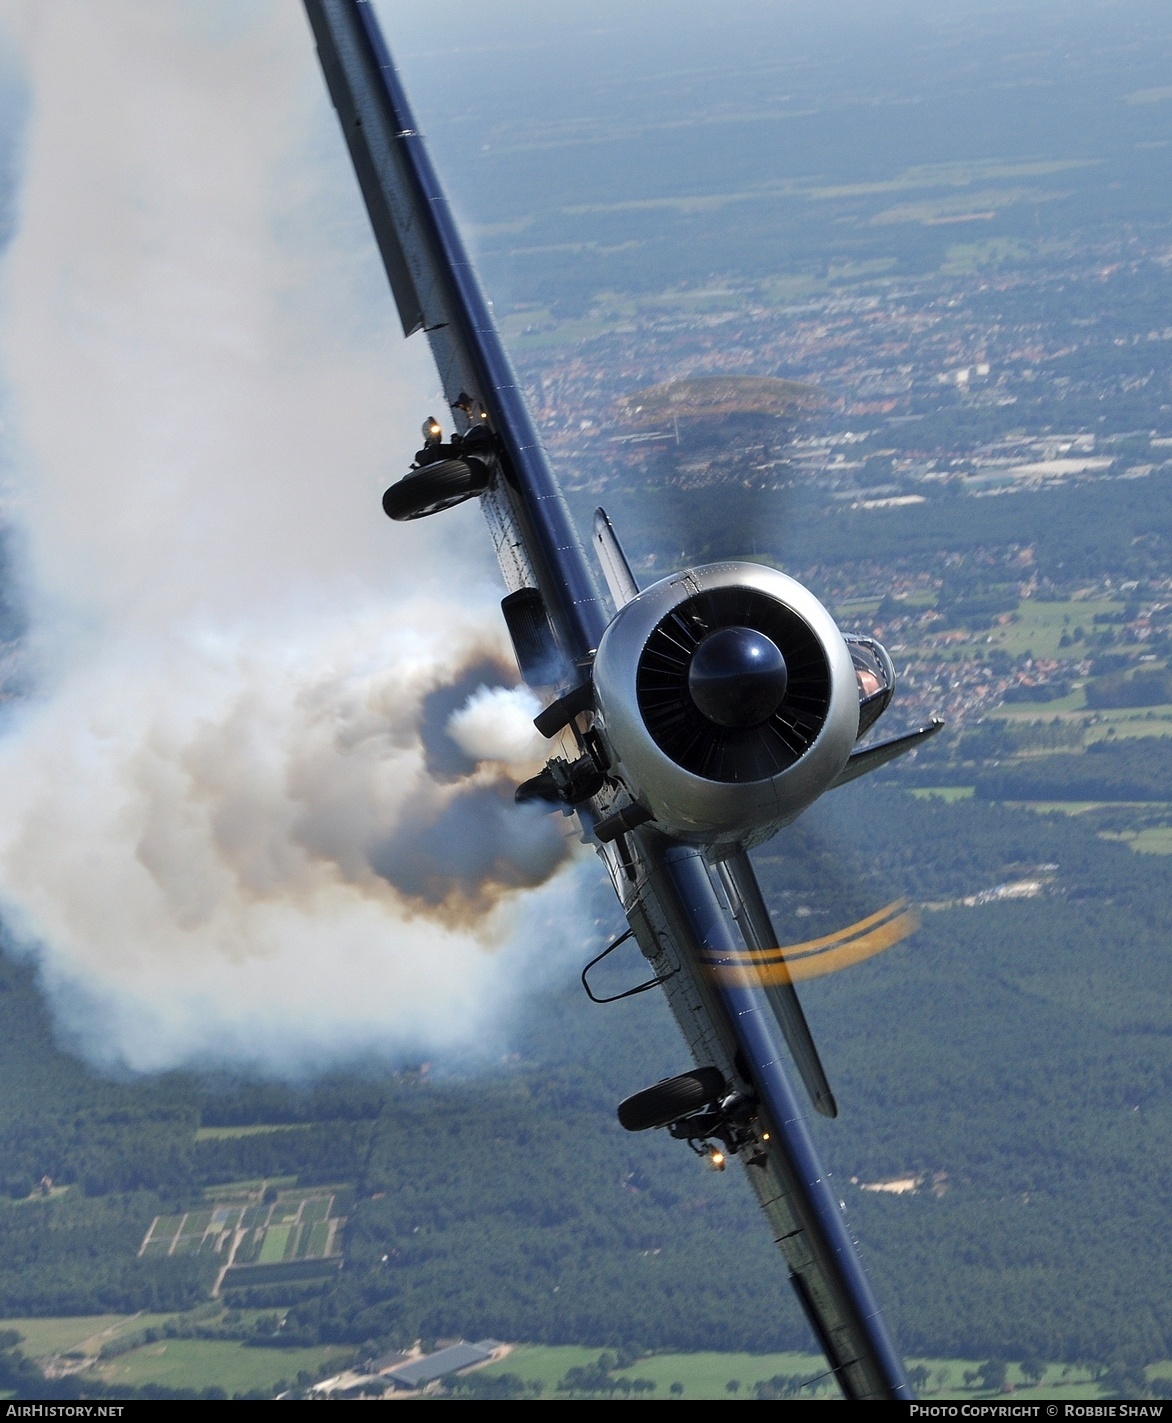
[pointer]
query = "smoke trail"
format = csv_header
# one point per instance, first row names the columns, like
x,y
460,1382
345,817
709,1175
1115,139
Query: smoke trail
x,y
260,807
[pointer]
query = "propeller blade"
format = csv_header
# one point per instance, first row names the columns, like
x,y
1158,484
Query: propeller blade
x,y
870,936
752,917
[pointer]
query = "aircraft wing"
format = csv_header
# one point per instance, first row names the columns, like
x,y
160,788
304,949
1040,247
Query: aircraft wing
x,y
696,912
437,291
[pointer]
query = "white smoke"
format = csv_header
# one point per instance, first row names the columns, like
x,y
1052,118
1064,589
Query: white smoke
x,y
227,823
496,724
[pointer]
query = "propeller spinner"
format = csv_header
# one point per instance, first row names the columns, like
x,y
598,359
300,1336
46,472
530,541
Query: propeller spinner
x,y
737,677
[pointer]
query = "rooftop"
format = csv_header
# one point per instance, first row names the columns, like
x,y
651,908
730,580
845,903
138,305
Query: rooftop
x,y
445,1361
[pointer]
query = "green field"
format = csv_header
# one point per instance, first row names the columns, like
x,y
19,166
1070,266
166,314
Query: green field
x,y
707,1376
702,1375
318,1238
283,1272
1120,721
215,1363
234,1133
1080,807
315,1209
1155,840
237,1368
1127,722
1038,626
276,1242
87,1332
948,794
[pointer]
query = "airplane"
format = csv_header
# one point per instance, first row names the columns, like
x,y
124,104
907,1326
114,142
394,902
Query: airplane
x,y
692,719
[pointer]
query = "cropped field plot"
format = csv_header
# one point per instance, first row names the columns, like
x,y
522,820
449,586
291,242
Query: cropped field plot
x,y
315,1208
283,1272
275,1244
319,1235
235,1133
299,1231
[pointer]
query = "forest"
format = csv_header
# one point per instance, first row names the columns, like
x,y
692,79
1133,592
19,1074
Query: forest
x,y
1015,1057
1133,769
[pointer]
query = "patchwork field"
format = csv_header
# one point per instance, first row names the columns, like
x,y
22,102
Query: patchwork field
x,y
256,1229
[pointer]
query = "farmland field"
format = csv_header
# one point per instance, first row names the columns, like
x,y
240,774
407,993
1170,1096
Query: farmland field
x,y
703,1375
214,1363
300,1225
319,1238
1039,625
316,1209
235,1133
41,1337
275,1242
1156,840
231,1365
708,1375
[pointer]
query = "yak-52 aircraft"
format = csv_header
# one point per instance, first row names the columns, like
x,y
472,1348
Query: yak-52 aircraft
x,y
695,718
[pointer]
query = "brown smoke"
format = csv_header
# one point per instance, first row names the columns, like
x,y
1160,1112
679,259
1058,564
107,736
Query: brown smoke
x,y
259,807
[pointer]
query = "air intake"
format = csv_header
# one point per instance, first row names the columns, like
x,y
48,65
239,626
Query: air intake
x,y
710,748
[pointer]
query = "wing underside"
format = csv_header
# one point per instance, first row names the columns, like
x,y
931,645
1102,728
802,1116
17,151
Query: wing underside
x,y
437,291
684,913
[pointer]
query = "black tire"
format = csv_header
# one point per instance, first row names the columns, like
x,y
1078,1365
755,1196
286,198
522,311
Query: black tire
x,y
673,1098
435,487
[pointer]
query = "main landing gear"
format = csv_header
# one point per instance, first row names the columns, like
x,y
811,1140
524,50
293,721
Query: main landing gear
x,y
444,475
697,1107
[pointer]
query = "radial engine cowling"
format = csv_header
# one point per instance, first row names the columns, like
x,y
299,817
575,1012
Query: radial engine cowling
x,y
728,700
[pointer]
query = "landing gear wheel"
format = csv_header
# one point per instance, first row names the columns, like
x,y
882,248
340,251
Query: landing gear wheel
x,y
435,487
673,1098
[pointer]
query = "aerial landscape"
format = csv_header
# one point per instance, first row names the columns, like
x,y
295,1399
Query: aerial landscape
x,y
300,1093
